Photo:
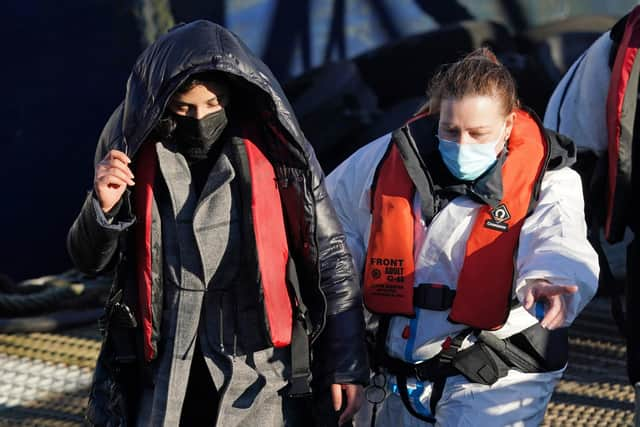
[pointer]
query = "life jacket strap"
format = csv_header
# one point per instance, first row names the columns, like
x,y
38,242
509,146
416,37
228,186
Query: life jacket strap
x,y
300,381
532,350
435,370
431,296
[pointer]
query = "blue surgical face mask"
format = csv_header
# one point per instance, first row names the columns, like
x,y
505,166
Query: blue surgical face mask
x,y
468,161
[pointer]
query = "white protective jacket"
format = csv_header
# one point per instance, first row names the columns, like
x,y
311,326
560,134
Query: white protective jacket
x,y
552,246
577,107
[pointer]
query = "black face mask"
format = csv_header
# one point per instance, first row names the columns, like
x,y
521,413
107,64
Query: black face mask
x,y
200,134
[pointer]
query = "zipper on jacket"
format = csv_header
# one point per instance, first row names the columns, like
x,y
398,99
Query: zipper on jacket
x,y
221,323
313,338
235,344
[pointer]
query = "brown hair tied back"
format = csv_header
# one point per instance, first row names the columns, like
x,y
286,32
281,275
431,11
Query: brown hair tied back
x,y
478,73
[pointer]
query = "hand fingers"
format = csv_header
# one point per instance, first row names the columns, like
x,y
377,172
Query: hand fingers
x,y
554,316
119,155
110,181
336,396
528,299
354,401
552,310
114,164
552,290
115,172
556,322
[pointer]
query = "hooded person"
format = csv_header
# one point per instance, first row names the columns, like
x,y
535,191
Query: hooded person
x,y
234,294
469,227
595,104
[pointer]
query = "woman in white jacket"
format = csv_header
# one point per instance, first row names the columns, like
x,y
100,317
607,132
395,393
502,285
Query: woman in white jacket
x,y
468,226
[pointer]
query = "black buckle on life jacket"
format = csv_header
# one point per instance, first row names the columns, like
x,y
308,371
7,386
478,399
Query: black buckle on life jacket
x,y
423,371
433,296
299,386
450,348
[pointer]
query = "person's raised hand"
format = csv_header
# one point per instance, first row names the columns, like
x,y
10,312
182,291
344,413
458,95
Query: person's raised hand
x,y
112,176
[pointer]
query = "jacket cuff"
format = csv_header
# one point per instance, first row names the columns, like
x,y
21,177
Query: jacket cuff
x,y
92,241
117,219
340,354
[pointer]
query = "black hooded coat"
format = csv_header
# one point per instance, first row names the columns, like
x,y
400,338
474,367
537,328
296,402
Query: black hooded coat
x,y
329,284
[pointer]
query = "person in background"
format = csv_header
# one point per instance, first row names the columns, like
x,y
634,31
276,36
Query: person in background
x,y
231,268
595,103
469,227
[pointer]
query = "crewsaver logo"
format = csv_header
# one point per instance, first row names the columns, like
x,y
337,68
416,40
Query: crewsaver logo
x,y
499,217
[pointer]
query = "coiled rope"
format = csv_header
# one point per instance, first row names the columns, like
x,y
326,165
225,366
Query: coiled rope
x,y
51,302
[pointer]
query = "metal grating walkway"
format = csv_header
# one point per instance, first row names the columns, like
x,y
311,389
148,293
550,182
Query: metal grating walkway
x,y
595,389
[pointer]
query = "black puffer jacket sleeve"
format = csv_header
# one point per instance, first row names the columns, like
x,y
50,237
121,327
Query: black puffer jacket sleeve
x,y
340,355
92,240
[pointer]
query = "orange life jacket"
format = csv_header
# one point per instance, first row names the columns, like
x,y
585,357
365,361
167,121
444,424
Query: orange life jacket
x,y
621,113
484,288
269,233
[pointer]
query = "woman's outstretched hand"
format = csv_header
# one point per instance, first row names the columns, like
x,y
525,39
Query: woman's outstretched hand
x,y
552,296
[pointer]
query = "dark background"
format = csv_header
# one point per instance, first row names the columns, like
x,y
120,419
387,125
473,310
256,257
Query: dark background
x,y
65,66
